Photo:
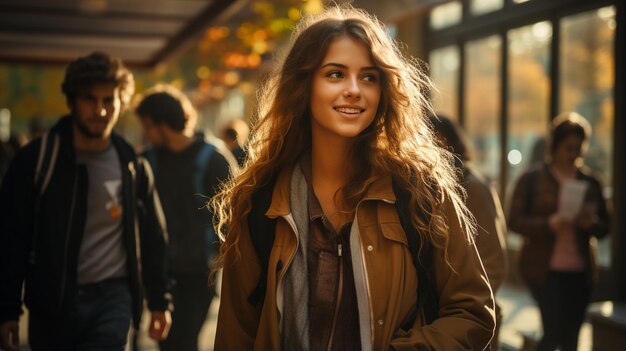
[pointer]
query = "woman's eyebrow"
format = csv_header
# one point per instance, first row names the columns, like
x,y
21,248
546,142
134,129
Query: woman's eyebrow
x,y
339,65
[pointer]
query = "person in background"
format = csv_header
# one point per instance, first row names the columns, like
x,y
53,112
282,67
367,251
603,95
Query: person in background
x,y
235,134
9,144
86,246
341,155
8,148
557,259
188,171
483,202
36,127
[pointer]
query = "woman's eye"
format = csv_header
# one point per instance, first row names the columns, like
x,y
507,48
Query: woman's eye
x,y
334,74
370,78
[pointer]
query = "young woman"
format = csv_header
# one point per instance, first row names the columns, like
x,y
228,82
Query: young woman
x,y
557,259
342,124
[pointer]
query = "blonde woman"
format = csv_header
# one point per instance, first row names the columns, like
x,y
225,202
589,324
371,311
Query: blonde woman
x,y
341,144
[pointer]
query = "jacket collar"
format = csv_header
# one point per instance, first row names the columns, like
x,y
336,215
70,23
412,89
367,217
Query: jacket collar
x,y
380,189
280,196
63,128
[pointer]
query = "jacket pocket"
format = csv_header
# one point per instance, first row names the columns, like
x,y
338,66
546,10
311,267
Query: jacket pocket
x,y
393,231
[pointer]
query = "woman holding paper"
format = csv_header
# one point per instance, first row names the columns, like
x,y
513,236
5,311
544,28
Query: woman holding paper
x,y
559,209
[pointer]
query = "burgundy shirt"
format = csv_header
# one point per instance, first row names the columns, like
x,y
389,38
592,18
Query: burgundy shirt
x,y
333,310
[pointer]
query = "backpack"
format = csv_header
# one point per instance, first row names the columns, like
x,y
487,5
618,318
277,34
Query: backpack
x,y
264,234
202,160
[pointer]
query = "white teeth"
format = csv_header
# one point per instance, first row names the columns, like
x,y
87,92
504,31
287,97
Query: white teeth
x,y
348,110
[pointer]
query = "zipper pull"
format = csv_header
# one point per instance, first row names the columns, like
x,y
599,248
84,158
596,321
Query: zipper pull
x,y
339,250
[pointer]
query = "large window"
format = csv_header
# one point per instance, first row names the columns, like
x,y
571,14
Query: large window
x,y
479,7
587,81
529,95
444,70
513,65
446,15
482,102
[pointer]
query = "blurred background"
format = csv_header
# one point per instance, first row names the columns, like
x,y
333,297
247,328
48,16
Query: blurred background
x,y
503,69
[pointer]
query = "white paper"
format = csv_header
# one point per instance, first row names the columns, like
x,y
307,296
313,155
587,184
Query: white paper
x,y
572,197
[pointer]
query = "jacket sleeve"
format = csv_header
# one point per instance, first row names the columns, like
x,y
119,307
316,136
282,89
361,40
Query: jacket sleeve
x,y
466,318
238,320
521,218
153,234
16,228
484,204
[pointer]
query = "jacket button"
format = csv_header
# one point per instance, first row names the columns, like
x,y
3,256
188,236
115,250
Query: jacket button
x,y
380,322
370,248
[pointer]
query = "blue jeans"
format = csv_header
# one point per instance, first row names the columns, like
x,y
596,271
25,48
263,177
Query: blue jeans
x,y
99,320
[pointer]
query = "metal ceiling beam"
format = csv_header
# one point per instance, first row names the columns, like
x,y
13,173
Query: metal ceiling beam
x,y
211,15
144,32
96,25
152,8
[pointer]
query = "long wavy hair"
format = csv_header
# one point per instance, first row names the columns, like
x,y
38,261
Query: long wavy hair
x,y
398,142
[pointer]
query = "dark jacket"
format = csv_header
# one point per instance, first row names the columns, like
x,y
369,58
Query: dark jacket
x,y
184,202
535,199
47,261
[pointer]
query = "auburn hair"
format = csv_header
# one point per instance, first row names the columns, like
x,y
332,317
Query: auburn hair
x,y
399,142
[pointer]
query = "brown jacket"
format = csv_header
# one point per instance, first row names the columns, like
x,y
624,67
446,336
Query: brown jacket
x,y
535,199
484,204
385,279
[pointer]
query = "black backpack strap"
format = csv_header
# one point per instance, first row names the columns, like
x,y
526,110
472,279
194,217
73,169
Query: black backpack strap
x,y
262,233
427,296
151,156
203,157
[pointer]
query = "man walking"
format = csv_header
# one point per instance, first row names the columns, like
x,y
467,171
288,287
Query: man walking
x,y
81,225
188,171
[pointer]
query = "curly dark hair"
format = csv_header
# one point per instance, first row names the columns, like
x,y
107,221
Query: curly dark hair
x,y
97,68
164,104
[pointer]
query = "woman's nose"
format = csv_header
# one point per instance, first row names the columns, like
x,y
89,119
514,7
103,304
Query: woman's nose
x,y
353,90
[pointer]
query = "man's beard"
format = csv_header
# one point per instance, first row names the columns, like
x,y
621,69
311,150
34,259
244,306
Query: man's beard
x,y
84,129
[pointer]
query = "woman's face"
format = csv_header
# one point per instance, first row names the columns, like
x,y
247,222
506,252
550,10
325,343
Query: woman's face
x,y
568,150
345,91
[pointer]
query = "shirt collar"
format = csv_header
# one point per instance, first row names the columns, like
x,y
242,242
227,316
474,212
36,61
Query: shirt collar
x,y
315,208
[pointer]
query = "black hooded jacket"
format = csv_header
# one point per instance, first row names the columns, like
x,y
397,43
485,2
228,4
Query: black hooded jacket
x,y
46,261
